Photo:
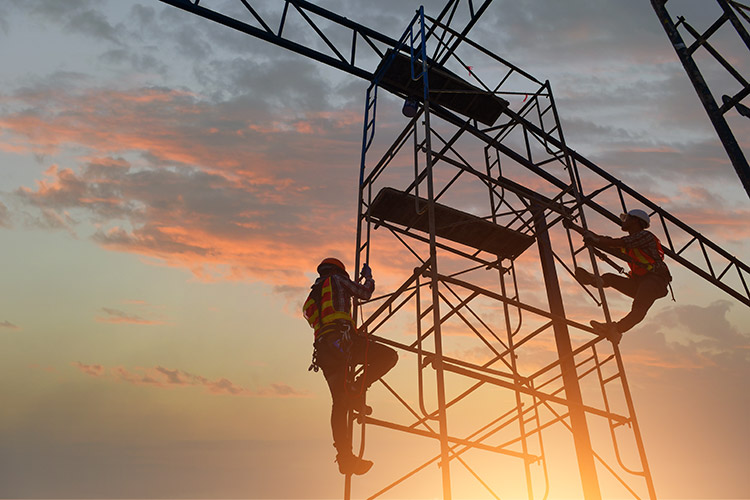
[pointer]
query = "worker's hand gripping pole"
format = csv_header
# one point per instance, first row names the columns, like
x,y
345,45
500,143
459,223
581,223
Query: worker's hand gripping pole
x,y
366,272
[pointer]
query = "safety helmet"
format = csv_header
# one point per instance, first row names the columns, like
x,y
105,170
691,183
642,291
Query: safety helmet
x,y
330,261
641,215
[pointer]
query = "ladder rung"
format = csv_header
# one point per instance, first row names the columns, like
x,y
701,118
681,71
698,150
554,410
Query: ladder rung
x,y
610,379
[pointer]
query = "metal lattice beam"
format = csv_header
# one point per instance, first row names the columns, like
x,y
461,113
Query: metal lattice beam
x,y
730,11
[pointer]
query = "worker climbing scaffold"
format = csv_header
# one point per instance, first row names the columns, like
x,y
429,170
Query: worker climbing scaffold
x,y
647,280
339,348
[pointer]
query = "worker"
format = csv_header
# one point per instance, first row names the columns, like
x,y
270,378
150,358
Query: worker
x,y
339,347
647,280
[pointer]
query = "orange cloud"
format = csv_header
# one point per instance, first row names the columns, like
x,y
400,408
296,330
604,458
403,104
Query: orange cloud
x,y
203,198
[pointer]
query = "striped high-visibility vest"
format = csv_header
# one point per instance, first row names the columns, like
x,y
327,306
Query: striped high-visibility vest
x,y
639,262
323,314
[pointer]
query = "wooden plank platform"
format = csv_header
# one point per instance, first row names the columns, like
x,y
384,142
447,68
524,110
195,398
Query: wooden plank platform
x,y
446,89
392,205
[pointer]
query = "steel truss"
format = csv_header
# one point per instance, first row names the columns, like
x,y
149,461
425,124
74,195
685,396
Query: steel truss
x,y
533,186
314,32
737,16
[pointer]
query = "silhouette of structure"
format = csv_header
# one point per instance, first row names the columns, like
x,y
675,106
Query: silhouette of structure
x,y
480,195
733,15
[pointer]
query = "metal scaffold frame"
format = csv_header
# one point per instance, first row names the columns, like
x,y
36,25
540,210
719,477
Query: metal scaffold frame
x,y
449,281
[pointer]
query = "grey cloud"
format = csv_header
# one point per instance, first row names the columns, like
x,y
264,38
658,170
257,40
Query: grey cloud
x,y
4,216
173,376
225,385
691,340
113,190
4,23
147,240
282,84
549,30
143,16
644,163
597,132
39,92
51,9
708,326
142,62
78,16
50,219
94,24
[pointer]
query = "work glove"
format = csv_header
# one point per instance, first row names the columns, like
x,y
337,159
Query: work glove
x,y
366,271
590,238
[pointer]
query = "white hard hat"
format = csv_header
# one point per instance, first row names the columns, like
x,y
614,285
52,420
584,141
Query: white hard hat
x,y
640,214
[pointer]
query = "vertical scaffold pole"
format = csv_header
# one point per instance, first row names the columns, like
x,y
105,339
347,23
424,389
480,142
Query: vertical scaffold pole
x,y
581,438
434,276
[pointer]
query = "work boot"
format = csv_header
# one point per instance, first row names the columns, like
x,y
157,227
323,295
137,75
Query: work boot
x,y
586,278
357,402
351,464
607,330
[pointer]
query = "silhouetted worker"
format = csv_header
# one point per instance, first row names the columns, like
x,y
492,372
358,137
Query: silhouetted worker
x,y
648,277
338,346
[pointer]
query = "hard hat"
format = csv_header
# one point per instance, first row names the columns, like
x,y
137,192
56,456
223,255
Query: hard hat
x,y
331,261
640,214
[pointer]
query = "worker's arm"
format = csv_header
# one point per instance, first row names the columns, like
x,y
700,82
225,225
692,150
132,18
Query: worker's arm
x,y
598,240
361,291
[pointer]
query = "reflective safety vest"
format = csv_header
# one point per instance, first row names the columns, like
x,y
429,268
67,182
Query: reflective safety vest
x,y
323,314
641,263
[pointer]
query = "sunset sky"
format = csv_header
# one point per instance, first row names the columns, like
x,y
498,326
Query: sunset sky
x,y
168,185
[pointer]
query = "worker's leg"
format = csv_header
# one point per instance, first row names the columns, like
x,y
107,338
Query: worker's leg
x,y
333,362
625,285
650,288
339,407
378,358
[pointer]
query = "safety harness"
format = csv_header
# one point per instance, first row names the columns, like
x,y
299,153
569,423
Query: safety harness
x,y
323,318
319,311
640,262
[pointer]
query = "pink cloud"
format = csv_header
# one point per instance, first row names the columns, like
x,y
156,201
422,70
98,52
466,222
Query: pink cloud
x,y
92,370
222,205
118,316
167,378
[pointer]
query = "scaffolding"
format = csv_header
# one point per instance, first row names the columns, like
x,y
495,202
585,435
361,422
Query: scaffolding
x,y
475,201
